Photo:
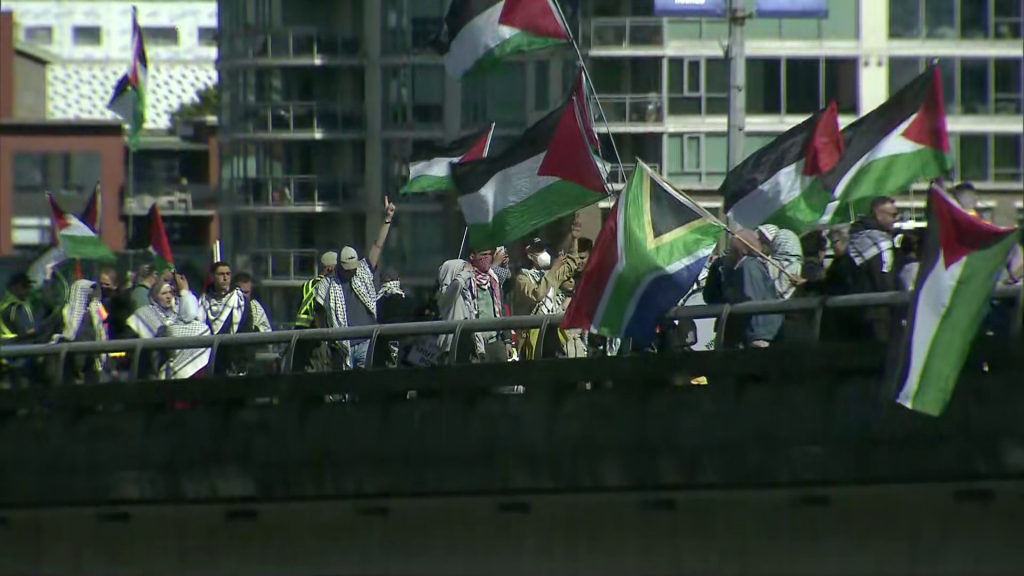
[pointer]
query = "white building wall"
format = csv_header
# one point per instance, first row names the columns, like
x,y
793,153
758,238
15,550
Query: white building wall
x,y
80,82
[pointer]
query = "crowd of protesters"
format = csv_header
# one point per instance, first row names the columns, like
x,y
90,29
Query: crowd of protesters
x,y
764,264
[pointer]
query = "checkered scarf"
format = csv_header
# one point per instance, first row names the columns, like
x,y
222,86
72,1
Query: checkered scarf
x,y
80,303
335,307
218,310
147,321
187,362
868,242
552,302
485,280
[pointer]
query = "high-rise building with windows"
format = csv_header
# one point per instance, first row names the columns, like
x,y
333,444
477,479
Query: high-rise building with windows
x,y
321,102
321,105
664,82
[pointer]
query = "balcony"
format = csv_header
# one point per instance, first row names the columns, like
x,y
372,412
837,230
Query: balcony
x,y
301,193
284,266
619,33
632,108
310,119
303,44
618,179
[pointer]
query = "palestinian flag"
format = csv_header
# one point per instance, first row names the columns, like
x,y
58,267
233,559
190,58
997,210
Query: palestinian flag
x,y
76,239
780,183
653,247
91,216
901,142
481,33
159,245
430,168
129,98
548,173
962,257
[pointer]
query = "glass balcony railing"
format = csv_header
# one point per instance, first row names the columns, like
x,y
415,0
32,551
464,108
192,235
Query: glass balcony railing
x,y
299,117
305,191
295,43
632,109
279,265
616,177
626,32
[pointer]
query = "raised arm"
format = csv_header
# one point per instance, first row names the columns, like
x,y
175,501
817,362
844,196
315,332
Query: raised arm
x,y
373,257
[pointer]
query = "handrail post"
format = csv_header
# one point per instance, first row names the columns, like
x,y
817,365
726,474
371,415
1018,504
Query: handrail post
x,y
538,348
819,313
371,346
213,355
62,359
453,348
1018,309
720,327
289,355
133,369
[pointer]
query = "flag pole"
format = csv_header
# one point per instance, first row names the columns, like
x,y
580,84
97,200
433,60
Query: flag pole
x,y
130,188
589,82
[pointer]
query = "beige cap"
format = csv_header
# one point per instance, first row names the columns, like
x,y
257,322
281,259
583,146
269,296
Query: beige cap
x,y
349,259
329,259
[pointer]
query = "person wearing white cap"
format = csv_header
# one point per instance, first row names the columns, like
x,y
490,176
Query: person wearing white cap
x,y
785,248
348,298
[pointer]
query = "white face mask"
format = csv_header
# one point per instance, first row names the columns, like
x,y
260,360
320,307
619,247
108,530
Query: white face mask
x,y
543,260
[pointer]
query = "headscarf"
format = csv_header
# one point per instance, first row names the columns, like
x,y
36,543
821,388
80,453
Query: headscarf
x,y
147,321
390,285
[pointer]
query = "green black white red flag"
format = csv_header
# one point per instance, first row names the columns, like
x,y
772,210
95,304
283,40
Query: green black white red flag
x,y
961,260
549,172
478,34
430,169
129,98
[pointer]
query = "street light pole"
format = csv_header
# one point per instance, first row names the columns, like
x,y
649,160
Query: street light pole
x,y
735,54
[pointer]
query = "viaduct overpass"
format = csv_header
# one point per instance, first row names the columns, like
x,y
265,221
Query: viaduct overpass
x,y
790,461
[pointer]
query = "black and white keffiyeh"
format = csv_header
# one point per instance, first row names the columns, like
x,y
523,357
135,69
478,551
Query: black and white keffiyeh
x,y
80,304
217,311
187,362
392,288
148,321
260,319
331,295
867,243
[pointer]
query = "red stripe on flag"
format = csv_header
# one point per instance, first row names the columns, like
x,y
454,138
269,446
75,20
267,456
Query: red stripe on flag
x,y
928,128
536,17
596,276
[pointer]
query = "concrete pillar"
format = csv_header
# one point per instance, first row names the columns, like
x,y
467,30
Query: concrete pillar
x,y
373,95
874,38
455,224
556,93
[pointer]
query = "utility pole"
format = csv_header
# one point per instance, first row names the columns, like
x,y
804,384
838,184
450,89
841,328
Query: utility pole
x,y
735,54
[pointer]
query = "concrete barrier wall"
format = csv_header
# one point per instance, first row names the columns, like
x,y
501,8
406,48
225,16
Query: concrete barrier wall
x,y
931,530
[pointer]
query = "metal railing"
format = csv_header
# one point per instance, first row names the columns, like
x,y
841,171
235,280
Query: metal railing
x,y
632,108
296,191
295,43
458,329
299,117
617,177
627,32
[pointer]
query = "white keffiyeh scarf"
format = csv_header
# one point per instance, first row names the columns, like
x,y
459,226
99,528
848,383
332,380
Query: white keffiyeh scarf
x,y
393,288
218,311
81,303
147,321
866,244
186,363
335,307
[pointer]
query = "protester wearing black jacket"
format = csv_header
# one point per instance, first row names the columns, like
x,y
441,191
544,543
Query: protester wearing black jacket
x,y
874,264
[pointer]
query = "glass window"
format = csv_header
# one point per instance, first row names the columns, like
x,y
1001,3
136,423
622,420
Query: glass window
x,y
499,96
803,76
754,142
56,171
1007,157
160,35
697,158
39,35
764,78
974,157
698,86
207,36
969,85
950,19
87,35
428,94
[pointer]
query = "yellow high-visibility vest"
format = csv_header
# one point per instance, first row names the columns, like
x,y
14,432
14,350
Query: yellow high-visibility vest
x,y
304,319
7,306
